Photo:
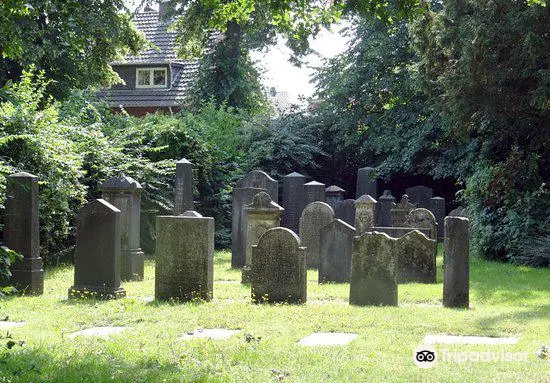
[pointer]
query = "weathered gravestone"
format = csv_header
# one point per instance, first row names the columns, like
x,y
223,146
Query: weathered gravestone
x,y
420,195
385,204
293,200
456,263
314,191
335,252
345,210
400,211
460,211
21,232
183,190
373,270
261,215
365,183
125,194
97,253
315,216
416,255
279,268
437,207
241,198
334,195
398,232
365,214
184,259
260,180
424,219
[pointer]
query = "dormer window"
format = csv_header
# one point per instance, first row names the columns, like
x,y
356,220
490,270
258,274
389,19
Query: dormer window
x,y
151,77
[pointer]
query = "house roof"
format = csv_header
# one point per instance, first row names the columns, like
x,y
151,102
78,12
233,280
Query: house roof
x,y
183,72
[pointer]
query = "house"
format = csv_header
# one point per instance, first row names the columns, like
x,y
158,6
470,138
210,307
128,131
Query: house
x,y
155,80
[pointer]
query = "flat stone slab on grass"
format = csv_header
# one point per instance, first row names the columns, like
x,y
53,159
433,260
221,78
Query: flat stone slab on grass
x,y
7,325
99,332
328,339
460,339
211,333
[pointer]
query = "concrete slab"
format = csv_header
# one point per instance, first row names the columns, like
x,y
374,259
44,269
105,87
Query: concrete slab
x,y
5,325
460,339
98,332
328,339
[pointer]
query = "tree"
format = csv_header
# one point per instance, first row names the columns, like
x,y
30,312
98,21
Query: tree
x,y
72,41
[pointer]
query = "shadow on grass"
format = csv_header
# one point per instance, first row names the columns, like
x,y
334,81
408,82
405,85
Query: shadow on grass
x,y
520,317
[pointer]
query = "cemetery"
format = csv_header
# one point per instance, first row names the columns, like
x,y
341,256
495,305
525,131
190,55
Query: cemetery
x,y
168,215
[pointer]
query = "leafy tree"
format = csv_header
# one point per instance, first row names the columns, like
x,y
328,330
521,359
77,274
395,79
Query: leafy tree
x,y
72,41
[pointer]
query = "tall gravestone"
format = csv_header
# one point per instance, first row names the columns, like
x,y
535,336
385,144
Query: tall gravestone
x,y
241,198
183,190
261,215
365,214
184,259
279,268
314,191
97,252
125,194
260,180
22,232
374,265
420,195
400,211
437,207
334,195
385,203
293,200
315,216
345,210
416,255
456,263
335,252
365,183
422,218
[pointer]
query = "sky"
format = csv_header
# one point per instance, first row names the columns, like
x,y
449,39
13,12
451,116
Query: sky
x,y
278,72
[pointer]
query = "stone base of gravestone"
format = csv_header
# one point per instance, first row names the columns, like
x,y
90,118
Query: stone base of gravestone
x,y
28,276
95,292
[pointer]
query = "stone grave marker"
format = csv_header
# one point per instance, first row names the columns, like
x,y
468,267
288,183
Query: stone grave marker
x,y
345,210
365,183
315,216
456,263
97,252
183,189
22,232
334,195
293,200
400,211
279,268
422,218
335,252
184,258
260,180
314,191
420,195
416,254
437,207
373,270
125,194
385,203
365,214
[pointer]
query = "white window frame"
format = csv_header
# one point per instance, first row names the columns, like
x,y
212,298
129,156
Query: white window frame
x,y
151,71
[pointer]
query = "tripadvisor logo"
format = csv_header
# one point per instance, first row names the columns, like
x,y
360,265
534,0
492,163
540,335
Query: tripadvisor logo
x,y
425,356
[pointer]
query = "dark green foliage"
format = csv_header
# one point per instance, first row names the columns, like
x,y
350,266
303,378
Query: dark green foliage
x,y
7,258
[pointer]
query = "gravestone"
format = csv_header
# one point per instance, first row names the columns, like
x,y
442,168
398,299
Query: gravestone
x,y
97,252
293,200
345,210
420,195
456,263
241,198
400,211
373,270
422,218
315,216
184,258
416,255
365,214
183,189
261,215
22,232
365,183
314,191
398,232
260,180
335,252
334,195
460,211
125,194
385,204
279,268
437,207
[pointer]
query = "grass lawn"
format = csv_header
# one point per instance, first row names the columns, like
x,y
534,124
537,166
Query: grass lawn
x,y
505,301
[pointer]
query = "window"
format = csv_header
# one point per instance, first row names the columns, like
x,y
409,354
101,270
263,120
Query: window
x,y
151,77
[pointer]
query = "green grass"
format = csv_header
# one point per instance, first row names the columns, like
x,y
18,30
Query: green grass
x,y
505,301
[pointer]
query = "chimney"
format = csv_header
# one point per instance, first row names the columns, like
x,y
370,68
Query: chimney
x,y
163,7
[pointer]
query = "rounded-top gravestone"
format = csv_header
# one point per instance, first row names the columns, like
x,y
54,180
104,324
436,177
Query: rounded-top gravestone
x,y
315,216
260,180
